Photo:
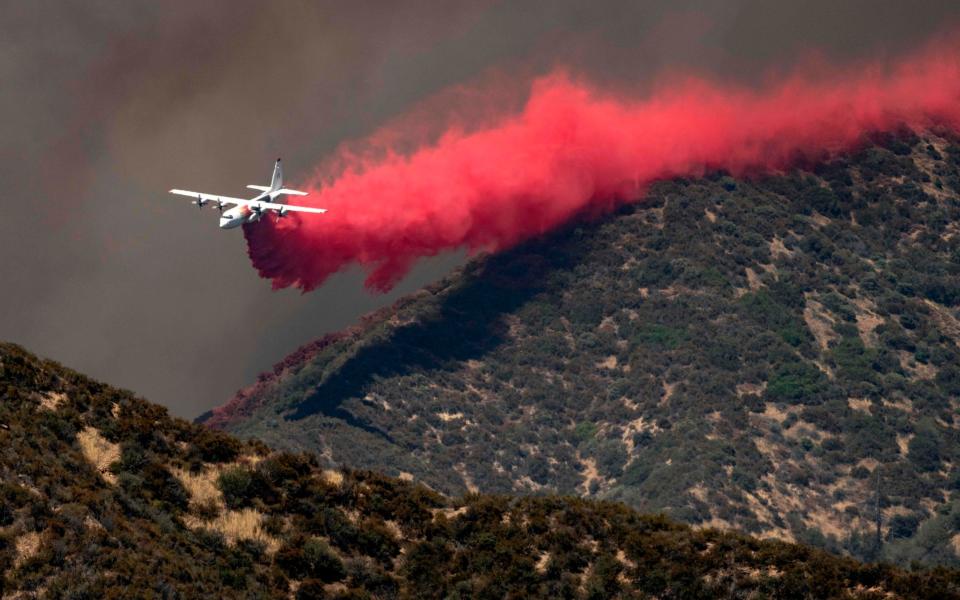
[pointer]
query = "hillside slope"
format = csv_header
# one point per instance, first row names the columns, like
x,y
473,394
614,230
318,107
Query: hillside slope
x,y
770,355
102,495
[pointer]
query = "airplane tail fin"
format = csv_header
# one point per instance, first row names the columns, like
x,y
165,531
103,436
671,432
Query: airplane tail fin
x,y
276,189
276,182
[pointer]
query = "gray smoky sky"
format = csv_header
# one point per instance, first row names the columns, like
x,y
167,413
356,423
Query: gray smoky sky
x,y
105,105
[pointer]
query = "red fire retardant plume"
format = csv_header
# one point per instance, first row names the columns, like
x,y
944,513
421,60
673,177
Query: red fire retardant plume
x,y
573,148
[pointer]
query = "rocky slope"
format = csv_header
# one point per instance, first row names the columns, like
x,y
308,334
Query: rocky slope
x,y
102,495
778,355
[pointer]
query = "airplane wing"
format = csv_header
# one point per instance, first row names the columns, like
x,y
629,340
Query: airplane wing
x,y
282,208
204,198
256,205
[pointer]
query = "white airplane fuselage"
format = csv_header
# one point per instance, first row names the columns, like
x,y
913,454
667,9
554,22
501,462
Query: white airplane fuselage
x,y
233,217
238,215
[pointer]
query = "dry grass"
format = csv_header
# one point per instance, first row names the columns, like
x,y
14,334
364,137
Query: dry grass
x,y
699,492
461,470
27,546
202,487
867,322
917,370
99,452
819,322
955,544
750,388
753,280
636,426
777,249
775,413
235,525
903,443
590,474
668,389
90,523
609,363
333,477
449,513
903,404
819,220
861,404
52,400
542,562
948,323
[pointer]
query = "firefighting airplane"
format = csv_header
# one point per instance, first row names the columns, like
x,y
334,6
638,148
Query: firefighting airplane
x,y
249,211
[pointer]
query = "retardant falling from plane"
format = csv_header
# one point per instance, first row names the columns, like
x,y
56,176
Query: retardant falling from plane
x,y
573,148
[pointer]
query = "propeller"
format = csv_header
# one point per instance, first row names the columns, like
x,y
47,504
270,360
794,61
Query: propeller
x,y
220,205
200,202
281,213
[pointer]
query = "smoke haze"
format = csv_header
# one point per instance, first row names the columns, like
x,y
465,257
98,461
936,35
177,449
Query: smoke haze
x,y
572,148
107,105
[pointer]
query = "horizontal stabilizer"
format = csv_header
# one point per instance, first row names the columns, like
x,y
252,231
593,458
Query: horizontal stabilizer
x,y
262,188
291,192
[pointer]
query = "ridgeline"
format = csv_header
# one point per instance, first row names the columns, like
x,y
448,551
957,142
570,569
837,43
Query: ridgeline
x,y
778,355
102,495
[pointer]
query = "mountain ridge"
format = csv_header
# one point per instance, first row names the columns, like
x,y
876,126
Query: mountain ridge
x,y
737,353
103,495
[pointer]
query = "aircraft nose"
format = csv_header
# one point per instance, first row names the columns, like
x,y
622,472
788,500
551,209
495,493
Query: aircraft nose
x,y
229,222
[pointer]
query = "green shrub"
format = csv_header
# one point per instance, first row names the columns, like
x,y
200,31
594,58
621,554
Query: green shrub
x,y
797,382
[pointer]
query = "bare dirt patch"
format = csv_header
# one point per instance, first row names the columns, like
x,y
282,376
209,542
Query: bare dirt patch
x,y
461,470
819,220
917,370
744,389
777,249
903,404
774,412
699,492
636,426
867,322
608,363
861,404
903,443
820,323
668,389
948,323
590,474
753,280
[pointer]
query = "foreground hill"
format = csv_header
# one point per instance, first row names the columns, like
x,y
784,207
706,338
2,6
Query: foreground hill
x,y
102,495
773,355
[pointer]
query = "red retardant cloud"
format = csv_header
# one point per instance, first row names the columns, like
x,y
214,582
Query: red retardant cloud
x,y
573,148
